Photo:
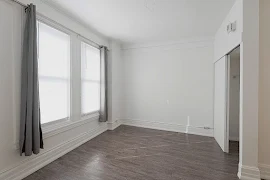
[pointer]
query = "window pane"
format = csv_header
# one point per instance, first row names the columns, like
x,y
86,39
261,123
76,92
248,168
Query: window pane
x,y
53,99
90,97
90,62
90,78
54,52
54,59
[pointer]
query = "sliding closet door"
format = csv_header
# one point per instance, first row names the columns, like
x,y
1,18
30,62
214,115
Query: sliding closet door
x,y
220,103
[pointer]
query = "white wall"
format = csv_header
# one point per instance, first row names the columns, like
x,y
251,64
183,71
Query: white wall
x,y
234,95
249,90
58,141
165,85
264,90
246,13
153,96
225,42
115,85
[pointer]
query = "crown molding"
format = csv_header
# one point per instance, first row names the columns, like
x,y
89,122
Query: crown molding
x,y
184,41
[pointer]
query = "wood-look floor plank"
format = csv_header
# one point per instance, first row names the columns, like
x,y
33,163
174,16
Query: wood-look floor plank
x,y
132,153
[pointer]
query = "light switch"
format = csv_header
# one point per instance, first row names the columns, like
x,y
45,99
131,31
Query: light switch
x,y
229,28
233,26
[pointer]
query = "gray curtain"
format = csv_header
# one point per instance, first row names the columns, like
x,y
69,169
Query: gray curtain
x,y
30,128
103,85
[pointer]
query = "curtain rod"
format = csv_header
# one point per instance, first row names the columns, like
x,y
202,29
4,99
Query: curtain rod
x,y
24,5
59,24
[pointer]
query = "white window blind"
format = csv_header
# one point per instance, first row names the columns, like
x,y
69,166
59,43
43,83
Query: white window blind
x,y
90,77
54,76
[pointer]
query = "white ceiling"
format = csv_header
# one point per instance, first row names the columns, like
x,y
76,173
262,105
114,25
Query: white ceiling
x,y
141,21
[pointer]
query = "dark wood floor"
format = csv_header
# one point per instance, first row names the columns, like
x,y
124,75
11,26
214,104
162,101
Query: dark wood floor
x,y
131,153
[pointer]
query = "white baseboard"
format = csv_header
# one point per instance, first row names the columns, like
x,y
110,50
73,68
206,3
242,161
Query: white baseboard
x,y
154,125
115,124
200,131
248,173
34,163
168,127
265,171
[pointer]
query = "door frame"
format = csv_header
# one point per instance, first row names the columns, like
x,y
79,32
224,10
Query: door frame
x,y
227,96
227,125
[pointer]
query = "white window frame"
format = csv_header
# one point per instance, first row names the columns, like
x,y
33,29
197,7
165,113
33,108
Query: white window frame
x,y
75,119
58,122
86,41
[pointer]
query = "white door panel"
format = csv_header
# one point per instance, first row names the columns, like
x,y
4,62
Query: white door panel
x,y
220,103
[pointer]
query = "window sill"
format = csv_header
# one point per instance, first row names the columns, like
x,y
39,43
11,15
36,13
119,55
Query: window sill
x,y
53,129
89,115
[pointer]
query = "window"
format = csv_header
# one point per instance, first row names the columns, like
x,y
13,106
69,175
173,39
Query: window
x,y
54,76
90,77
